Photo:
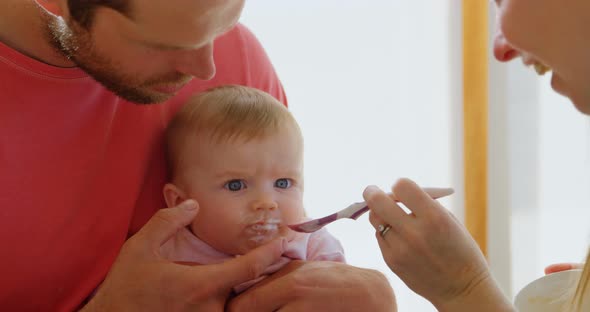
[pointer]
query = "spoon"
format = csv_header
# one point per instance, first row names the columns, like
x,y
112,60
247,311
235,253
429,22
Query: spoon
x,y
356,210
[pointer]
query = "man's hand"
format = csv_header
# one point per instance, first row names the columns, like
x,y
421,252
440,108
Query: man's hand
x,y
141,280
318,286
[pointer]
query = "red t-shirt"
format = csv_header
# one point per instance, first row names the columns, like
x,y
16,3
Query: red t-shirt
x,y
81,169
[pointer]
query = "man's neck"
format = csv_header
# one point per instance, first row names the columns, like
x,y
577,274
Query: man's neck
x,y
23,28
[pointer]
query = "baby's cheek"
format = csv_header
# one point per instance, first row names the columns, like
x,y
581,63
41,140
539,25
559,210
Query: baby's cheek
x,y
286,232
227,237
294,214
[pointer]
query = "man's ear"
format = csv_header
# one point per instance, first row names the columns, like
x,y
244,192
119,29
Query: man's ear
x,y
173,195
55,7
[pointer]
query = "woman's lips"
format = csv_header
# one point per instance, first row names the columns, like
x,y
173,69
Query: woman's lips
x,y
539,66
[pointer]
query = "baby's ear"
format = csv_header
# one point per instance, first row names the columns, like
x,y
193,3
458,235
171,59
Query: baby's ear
x,y
173,195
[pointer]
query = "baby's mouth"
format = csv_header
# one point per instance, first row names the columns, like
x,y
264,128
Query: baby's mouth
x,y
263,227
262,231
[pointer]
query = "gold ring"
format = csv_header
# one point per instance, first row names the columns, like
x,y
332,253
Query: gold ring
x,y
383,229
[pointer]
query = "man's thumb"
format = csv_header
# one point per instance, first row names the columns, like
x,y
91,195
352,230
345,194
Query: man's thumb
x,y
251,265
166,222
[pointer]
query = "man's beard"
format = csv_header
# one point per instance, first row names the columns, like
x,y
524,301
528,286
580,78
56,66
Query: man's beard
x,y
75,43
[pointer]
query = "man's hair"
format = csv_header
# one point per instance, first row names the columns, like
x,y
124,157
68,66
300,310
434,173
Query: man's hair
x,y
227,113
82,11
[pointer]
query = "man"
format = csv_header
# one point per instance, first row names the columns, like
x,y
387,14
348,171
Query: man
x,y
82,162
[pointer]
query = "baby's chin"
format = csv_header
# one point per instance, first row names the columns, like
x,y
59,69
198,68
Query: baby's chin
x,y
259,238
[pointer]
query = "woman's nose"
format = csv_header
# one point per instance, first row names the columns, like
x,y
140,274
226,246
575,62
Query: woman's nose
x,y
503,51
198,63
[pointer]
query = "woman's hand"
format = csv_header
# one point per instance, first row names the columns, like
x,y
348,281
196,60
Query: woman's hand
x,y
432,252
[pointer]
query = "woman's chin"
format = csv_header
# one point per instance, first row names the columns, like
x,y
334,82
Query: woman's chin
x,y
557,85
581,101
583,106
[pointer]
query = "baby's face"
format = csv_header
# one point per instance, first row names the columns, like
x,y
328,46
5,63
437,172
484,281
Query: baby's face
x,y
248,192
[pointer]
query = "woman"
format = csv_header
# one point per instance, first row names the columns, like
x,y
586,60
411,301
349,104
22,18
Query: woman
x,y
429,249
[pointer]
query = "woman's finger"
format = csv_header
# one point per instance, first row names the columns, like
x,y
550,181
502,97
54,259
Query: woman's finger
x,y
376,222
413,196
385,207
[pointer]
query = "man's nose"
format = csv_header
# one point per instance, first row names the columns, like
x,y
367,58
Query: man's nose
x,y
503,51
198,63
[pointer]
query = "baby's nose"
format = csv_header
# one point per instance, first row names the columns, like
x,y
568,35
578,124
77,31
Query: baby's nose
x,y
263,204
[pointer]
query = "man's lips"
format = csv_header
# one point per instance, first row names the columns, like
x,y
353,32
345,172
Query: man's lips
x,y
168,89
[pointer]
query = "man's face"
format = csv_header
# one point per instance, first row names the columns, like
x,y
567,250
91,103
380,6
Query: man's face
x,y
149,56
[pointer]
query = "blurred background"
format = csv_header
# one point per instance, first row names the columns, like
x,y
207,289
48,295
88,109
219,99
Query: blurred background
x,y
377,88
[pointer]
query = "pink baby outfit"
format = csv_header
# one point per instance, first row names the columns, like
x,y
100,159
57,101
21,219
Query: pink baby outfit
x,y
317,246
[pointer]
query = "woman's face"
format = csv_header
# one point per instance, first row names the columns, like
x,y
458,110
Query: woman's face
x,y
555,33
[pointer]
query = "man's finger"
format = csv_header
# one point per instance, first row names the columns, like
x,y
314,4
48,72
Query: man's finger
x,y
166,222
249,266
271,294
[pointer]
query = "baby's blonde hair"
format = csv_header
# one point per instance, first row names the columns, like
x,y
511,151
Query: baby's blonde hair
x,y
226,113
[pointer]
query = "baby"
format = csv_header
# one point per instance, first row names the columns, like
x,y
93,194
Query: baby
x,y
239,152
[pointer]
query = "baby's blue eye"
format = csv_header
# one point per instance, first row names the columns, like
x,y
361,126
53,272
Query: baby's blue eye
x,y
235,185
283,183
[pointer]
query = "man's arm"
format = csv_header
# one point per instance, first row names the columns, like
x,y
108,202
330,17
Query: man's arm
x,y
319,286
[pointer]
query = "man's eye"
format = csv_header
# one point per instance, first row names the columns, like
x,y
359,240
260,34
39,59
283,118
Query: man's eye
x,y
235,185
283,183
